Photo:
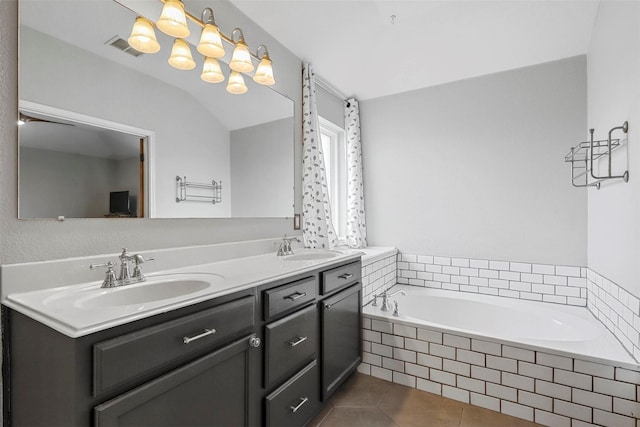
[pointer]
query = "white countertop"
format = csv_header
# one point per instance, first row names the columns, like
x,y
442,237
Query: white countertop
x,y
59,309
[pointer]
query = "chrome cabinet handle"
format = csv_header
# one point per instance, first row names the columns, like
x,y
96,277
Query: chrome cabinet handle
x,y
303,400
328,306
300,340
345,276
294,296
254,342
206,332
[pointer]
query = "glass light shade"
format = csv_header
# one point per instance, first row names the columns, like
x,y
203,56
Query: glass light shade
x,y
241,60
143,37
210,42
264,73
211,71
181,56
236,84
173,21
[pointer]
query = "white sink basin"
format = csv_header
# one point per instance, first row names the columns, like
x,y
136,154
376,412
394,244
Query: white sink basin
x,y
312,255
155,290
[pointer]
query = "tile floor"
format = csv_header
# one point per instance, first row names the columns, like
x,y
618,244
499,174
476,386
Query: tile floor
x,y
365,401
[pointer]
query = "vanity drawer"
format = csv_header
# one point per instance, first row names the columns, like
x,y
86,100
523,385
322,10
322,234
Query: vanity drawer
x,y
296,401
287,297
289,343
138,355
340,277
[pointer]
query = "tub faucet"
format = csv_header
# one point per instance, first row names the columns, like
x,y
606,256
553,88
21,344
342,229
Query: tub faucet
x,y
385,299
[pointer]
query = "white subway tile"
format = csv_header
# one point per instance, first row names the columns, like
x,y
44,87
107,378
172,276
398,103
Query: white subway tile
x,y
627,375
416,370
568,291
372,336
372,359
593,400
502,364
442,377
498,265
444,278
572,410
422,275
461,280
454,271
535,371
517,381
479,263
509,275
431,336
394,365
626,407
486,347
471,357
535,400
520,286
416,345
543,289
471,272
404,379
366,346
556,299
554,361
425,259
467,288
485,374
572,379
549,419
478,281
404,331
442,260
578,282
429,386
520,267
456,367
595,369
614,388
543,269
393,340
508,293
433,268
609,419
460,262
554,280
442,351
563,270
430,361
456,341
408,274
518,353
517,410
366,323
470,384
378,325
416,266
489,274
384,374
382,350
502,392
488,291
533,278
451,287
580,302
416,282
499,283
487,402
531,297
409,258
455,394
364,368
404,355
553,390
578,423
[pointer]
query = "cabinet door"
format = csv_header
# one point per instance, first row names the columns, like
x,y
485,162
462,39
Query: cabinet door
x,y
211,391
341,337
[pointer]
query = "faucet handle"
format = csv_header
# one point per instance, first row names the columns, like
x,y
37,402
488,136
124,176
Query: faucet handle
x,y
137,272
110,277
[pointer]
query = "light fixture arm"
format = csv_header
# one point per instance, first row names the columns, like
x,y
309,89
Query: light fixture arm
x,y
265,53
240,38
211,20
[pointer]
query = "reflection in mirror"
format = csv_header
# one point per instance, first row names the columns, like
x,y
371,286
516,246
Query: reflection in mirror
x,y
193,129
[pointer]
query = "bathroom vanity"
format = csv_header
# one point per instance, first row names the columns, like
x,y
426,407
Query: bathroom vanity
x,y
259,354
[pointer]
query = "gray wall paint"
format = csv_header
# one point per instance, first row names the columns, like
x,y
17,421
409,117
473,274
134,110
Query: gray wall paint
x,y
259,168
614,96
475,168
34,240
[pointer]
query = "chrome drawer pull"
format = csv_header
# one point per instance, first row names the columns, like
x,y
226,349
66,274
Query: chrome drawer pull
x,y
300,340
345,276
296,295
303,400
206,332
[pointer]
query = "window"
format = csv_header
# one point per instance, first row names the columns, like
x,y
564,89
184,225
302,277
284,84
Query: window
x,y
335,161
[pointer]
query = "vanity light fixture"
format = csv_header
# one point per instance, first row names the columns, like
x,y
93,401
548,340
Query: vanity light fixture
x,y
173,21
241,60
143,37
236,83
181,56
264,73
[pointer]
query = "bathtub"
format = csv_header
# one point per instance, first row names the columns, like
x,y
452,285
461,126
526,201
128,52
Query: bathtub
x,y
552,364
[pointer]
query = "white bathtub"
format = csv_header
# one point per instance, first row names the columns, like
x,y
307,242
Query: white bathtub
x,y
560,329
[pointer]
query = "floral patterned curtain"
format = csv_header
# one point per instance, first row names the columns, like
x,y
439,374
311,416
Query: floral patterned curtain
x,y
356,223
317,228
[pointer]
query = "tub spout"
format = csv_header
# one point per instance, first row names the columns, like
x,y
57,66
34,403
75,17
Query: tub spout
x,y
385,299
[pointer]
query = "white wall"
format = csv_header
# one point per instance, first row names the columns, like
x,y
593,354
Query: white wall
x,y
475,168
614,96
259,167
34,240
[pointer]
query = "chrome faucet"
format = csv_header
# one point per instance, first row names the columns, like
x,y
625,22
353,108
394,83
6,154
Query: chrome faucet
x,y
126,277
385,298
285,246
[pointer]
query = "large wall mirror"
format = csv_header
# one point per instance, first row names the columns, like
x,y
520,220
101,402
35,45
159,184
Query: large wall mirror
x,y
109,133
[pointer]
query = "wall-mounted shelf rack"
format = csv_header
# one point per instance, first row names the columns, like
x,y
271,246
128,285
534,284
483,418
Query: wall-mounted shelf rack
x,y
197,191
583,155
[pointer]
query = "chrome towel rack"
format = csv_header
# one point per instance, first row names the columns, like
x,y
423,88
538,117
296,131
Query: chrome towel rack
x,y
583,155
197,191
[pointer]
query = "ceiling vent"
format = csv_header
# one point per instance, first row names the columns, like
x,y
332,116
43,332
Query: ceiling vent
x,y
120,43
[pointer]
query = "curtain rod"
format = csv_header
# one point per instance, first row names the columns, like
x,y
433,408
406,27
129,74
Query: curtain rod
x,y
326,86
